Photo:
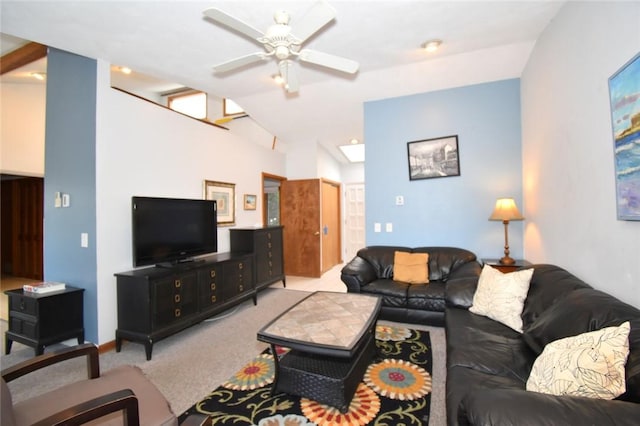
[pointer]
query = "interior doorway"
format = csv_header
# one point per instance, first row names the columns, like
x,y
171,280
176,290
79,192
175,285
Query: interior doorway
x,y
354,230
22,212
271,199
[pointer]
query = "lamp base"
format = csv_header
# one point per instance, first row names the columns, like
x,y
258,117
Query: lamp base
x,y
506,260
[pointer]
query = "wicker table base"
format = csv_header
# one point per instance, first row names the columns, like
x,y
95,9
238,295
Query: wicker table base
x,y
327,380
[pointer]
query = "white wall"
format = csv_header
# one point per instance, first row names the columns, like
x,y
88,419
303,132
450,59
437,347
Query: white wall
x,y
568,172
142,149
22,130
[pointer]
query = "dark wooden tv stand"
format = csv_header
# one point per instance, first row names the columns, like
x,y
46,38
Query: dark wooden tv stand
x,y
156,302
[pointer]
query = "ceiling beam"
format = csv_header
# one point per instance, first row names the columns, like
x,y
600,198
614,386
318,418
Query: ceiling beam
x,y
22,56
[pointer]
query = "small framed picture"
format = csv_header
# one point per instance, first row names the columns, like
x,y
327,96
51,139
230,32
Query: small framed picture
x,y
249,202
433,158
224,194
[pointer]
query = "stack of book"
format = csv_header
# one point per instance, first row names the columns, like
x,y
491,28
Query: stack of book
x,y
43,287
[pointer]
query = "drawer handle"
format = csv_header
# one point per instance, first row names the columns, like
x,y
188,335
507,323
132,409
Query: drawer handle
x,y
240,277
269,235
240,265
22,305
241,287
213,273
270,254
176,298
177,312
178,283
213,286
269,245
213,299
270,263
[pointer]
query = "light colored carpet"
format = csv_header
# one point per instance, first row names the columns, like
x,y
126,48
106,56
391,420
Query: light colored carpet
x,y
188,365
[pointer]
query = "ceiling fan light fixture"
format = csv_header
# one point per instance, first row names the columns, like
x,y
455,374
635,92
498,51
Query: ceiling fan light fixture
x,y
431,45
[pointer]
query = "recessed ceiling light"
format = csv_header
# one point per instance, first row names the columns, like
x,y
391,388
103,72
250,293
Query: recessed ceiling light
x,y
278,79
431,45
354,141
38,75
125,70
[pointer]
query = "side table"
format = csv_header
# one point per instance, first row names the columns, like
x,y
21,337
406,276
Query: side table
x,y
39,320
506,268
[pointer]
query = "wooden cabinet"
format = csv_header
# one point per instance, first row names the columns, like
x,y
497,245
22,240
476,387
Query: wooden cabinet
x,y
266,246
156,302
39,320
506,268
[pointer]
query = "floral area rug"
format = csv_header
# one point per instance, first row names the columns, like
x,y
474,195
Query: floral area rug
x,y
396,389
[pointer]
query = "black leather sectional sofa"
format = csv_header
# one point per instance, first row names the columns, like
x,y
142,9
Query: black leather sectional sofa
x,y
371,271
488,363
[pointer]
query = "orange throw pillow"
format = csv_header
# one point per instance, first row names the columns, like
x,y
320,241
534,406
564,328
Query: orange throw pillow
x,y
412,268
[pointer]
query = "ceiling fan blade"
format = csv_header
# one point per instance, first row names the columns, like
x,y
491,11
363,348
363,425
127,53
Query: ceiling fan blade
x,y
239,62
290,76
319,15
329,61
232,22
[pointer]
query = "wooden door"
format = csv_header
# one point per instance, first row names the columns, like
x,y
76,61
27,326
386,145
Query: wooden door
x,y
330,244
22,227
300,216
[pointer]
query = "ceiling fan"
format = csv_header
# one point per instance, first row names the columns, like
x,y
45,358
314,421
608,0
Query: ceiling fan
x,y
284,43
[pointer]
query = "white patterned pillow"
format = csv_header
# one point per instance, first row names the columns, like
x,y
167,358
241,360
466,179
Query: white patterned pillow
x,y
589,364
501,296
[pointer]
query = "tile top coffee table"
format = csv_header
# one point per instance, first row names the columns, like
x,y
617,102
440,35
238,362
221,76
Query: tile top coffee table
x,y
332,341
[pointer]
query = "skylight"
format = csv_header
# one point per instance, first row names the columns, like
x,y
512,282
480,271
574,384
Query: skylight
x,y
354,153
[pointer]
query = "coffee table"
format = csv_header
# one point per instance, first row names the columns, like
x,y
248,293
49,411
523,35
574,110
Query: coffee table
x,y
332,341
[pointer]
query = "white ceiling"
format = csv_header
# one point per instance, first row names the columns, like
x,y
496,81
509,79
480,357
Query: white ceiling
x,y
171,40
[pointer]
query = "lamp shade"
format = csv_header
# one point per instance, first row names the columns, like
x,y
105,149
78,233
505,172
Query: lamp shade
x,y
506,209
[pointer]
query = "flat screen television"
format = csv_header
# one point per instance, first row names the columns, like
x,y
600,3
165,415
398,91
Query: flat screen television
x,y
167,231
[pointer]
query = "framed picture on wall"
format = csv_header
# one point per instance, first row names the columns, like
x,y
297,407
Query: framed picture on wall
x,y
433,158
249,202
224,194
624,96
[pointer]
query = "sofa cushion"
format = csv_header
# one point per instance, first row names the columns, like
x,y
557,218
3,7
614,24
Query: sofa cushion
x,y
393,293
578,312
154,408
549,283
589,365
380,258
428,297
501,296
411,268
443,261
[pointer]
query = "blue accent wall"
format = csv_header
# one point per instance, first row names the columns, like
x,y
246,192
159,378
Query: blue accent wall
x,y
449,211
70,168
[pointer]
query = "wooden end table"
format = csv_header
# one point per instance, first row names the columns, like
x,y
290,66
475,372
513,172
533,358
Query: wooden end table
x,y
506,268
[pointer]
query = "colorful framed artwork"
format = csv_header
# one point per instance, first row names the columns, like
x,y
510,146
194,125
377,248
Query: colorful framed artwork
x,y
250,202
624,96
224,194
433,158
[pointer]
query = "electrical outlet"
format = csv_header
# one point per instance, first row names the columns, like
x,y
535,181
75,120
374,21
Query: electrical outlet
x,y
389,227
377,227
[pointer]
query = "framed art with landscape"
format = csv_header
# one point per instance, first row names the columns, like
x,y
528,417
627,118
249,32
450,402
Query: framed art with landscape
x,y
224,194
624,96
433,158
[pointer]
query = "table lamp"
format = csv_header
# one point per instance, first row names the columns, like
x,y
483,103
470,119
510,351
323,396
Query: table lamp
x,y
505,211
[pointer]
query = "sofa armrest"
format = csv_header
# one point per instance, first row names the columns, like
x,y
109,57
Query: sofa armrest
x,y
468,270
459,292
122,400
87,349
357,273
515,406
